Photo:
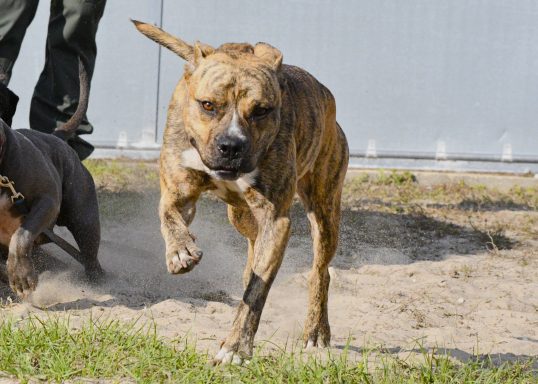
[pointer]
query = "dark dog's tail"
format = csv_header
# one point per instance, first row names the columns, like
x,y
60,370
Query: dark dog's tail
x,y
67,130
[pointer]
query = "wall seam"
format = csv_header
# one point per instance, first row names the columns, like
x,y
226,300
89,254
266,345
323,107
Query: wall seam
x,y
157,99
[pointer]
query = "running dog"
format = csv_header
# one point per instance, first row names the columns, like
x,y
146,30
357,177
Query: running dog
x,y
255,132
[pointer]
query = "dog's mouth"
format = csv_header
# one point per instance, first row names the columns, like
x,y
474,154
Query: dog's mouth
x,y
222,169
225,174
230,173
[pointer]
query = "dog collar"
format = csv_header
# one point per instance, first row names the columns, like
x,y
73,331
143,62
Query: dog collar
x,y
18,201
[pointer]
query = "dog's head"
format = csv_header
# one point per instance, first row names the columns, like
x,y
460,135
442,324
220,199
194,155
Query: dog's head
x,y
8,104
232,108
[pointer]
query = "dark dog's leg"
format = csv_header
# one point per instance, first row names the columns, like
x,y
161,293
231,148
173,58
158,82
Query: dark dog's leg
x,y
21,273
245,223
80,214
3,269
3,273
87,233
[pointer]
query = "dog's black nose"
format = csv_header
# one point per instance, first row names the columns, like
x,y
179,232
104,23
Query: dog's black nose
x,y
231,146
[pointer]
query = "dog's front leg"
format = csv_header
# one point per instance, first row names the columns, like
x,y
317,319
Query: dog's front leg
x,y
177,209
273,235
20,270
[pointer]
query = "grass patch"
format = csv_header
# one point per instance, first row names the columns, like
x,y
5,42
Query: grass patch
x,y
397,190
53,350
470,207
117,175
400,191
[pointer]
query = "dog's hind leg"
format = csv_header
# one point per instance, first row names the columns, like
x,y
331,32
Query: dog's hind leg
x,y
320,192
81,217
87,233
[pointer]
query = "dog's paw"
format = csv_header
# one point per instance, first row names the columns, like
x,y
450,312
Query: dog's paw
x,y
229,356
319,337
311,344
22,276
183,259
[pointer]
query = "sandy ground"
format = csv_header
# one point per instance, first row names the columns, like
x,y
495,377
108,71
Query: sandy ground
x,y
398,282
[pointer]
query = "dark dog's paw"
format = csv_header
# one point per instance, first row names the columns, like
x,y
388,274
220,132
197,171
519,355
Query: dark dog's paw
x,y
183,259
95,275
3,274
22,276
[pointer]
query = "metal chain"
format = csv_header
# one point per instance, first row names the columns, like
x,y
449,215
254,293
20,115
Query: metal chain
x,y
6,183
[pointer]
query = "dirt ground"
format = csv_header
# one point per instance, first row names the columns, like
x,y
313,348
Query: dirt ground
x,y
456,271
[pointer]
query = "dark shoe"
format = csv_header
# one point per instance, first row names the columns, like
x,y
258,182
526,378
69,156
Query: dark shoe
x,y
81,147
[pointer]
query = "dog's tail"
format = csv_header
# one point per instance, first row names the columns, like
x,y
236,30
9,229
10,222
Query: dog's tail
x,y
67,130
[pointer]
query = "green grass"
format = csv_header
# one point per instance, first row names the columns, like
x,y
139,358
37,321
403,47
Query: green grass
x,y
476,207
54,350
399,190
394,190
117,175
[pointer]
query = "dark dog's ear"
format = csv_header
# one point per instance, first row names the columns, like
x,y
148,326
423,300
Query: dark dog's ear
x,y
8,104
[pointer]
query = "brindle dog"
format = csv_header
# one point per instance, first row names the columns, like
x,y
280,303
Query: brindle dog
x,y
254,132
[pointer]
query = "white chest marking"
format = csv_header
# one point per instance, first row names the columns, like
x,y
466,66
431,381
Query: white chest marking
x,y
191,159
5,202
238,186
8,223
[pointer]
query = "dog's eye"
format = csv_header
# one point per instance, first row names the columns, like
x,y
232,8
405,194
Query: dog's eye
x,y
260,112
208,106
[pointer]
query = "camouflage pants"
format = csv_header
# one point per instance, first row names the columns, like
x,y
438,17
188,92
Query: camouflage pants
x,y
71,33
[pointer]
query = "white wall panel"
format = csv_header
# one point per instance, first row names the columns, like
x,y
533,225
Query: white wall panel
x,y
413,79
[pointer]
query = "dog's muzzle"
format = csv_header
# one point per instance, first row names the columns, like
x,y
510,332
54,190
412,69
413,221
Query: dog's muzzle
x,y
231,147
231,157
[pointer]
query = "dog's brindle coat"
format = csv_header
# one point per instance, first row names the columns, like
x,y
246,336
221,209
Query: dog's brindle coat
x,y
57,189
255,132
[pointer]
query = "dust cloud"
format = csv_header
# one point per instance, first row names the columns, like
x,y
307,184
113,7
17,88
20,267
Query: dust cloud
x,y
132,252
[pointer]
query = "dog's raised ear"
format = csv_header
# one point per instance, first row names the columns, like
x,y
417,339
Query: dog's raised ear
x,y
201,51
176,45
269,54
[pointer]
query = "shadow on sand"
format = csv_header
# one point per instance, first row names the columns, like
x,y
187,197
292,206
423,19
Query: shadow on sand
x,y
495,359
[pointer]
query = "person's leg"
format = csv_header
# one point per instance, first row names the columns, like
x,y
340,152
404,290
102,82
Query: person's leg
x,y
72,29
15,17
